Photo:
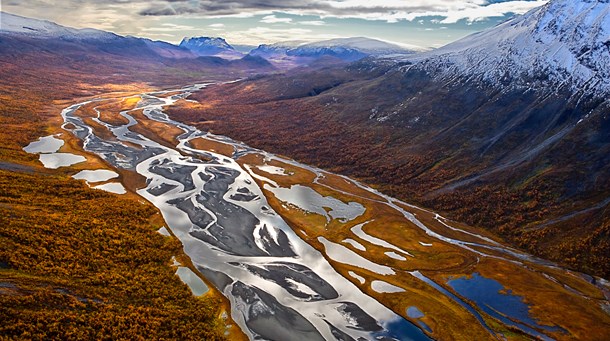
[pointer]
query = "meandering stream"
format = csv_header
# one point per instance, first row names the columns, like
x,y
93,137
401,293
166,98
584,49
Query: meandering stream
x,y
279,286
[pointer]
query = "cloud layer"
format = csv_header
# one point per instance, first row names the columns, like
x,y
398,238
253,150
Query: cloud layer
x,y
105,12
388,10
418,22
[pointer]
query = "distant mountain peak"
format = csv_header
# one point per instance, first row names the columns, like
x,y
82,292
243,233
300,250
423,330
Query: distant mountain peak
x,y
346,49
367,45
195,44
210,46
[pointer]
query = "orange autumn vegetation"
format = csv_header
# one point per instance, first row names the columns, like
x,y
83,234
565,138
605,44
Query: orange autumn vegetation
x,y
84,264
77,263
277,118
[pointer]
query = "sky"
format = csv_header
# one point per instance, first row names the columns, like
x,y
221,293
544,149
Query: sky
x,y
422,23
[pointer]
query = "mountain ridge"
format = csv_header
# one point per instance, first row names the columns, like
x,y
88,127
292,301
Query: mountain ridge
x,y
545,42
347,49
16,24
27,35
281,54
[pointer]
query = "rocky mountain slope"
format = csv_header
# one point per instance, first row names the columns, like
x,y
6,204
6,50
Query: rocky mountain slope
x,y
560,42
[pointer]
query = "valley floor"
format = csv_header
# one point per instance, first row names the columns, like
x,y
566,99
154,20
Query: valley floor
x,y
551,207
78,263
446,279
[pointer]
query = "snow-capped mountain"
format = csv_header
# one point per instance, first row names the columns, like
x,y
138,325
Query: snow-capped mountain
x,y
276,48
348,49
210,46
18,25
562,42
368,46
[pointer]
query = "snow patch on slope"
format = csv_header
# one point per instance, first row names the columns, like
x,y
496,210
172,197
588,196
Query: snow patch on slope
x,y
343,48
14,24
562,42
366,45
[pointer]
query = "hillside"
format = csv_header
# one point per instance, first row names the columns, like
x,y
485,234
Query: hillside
x,y
30,44
68,251
494,130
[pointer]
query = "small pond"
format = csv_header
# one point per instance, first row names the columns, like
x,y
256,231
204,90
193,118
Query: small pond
x,y
47,144
197,286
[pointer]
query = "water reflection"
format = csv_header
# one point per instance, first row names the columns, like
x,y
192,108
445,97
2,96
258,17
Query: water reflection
x,y
56,160
47,144
197,286
491,297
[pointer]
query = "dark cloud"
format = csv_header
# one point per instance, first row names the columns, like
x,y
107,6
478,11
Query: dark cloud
x,y
214,8
390,10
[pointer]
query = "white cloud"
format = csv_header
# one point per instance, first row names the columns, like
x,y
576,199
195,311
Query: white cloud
x,y
217,26
160,35
388,10
268,35
168,27
121,18
108,14
272,19
144,17
312,23
493,10
451,11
